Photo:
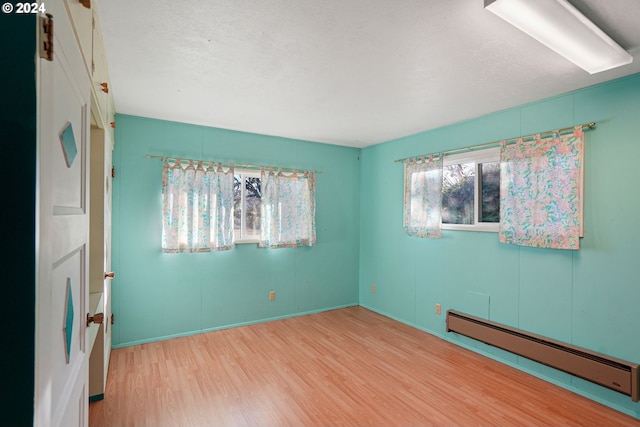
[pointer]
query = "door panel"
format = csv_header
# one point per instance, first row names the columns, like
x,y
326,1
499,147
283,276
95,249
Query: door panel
x,y
61,397
82,25
67,282
76,410
68,193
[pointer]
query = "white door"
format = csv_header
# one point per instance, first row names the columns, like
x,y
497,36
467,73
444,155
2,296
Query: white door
x,y
61,395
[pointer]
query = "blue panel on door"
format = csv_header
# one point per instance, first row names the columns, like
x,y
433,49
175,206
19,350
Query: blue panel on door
x,y
69,146
68,320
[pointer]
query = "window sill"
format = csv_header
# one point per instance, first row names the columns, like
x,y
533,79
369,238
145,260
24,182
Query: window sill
x,y
485,227
246,241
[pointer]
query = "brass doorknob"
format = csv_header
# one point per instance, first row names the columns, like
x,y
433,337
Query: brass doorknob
x,y
96,318
109,275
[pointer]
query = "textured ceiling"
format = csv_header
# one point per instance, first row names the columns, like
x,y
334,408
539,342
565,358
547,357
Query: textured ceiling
x,y
348,72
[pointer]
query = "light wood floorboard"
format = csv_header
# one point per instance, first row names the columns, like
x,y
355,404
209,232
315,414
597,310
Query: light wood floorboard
x,y
348,367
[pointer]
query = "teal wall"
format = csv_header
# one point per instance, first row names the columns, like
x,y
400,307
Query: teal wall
x,y
18,138
588,297
158,295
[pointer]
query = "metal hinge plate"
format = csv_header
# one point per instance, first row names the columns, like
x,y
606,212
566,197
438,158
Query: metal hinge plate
x,y
46,37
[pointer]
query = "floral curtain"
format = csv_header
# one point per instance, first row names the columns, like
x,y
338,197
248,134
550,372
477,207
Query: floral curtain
x,y
423,197
540,191
197,207
288,209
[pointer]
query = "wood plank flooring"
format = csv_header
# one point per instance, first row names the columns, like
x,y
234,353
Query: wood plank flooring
x,y
348,367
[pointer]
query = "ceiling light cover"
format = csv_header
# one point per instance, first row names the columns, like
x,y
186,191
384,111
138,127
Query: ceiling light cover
x,y
561,27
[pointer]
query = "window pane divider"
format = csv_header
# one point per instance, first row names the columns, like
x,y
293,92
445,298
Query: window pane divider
x,y
477,188
243,206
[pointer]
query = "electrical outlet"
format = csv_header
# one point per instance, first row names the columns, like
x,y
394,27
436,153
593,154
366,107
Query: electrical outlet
x,y
373,288
272,296
438,309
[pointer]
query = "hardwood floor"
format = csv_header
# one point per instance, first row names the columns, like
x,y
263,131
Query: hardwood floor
x,y
348,367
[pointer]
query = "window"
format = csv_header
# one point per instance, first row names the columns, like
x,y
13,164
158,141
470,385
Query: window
x,y
247,196
197,205
209,206
288,209
423,197
471,191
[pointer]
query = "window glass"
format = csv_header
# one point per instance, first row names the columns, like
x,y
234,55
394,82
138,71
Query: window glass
x,y
489,177
237,204
458,184
471,191
247,195
253,195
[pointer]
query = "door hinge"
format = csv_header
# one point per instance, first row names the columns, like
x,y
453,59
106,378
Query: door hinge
x,y
113,318
113,172
46,37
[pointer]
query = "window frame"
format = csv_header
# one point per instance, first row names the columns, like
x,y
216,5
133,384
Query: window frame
x,y
487,155
244,173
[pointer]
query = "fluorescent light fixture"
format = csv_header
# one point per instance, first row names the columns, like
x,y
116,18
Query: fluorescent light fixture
x,y
561,27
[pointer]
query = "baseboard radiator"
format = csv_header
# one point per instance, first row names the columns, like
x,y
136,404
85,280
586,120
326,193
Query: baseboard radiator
x,y
616,374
